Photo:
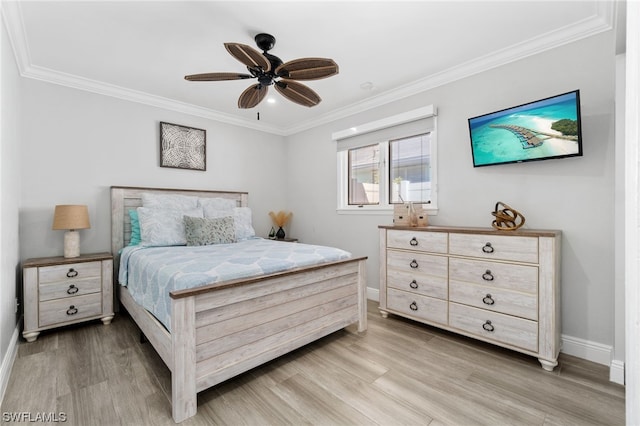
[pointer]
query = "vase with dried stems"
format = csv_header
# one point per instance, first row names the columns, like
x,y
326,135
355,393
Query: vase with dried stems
x,y
280,219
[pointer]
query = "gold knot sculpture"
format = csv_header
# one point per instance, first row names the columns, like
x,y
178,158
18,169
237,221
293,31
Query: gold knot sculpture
x,y
506,218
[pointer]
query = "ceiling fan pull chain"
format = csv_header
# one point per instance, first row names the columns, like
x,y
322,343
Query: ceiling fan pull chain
x,y
258,115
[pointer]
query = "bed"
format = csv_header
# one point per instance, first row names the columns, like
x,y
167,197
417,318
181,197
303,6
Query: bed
x,y
218,329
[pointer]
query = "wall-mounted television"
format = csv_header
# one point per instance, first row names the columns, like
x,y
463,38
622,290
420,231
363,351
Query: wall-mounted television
x,y
540,130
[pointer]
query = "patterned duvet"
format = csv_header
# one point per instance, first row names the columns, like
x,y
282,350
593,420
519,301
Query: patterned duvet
x,y
151,273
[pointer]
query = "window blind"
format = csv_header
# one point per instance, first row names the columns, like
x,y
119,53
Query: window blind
x,y
407,124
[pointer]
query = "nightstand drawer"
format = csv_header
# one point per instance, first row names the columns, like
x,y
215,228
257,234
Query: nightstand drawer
x,y
70,309
69,272
59,290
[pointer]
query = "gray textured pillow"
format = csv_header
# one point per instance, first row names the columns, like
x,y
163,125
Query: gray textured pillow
x,y
205,231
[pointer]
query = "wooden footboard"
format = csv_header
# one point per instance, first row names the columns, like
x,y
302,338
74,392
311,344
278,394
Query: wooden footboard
x,y
220,332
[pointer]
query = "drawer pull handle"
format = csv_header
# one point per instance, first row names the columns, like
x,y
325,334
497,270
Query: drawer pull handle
x,y
488,326
72,273
488,300
413,306
487,276
72,310
72,289
413,264
488,248
413,241
413,284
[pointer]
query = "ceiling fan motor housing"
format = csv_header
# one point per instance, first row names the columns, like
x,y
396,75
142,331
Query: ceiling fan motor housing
x,y
265,41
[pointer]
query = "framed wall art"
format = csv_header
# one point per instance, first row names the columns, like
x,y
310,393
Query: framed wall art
x,y
182,147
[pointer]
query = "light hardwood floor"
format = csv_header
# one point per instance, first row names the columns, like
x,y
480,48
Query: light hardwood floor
x,y
397,372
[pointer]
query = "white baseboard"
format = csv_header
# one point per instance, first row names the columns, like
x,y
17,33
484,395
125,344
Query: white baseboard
x,y
616,372
7,362
373,294
591,351
585,349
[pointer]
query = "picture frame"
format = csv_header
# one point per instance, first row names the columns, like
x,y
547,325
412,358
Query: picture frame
x,y
183,147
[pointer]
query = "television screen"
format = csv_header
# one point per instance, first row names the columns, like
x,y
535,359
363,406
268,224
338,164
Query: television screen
x,y
540,130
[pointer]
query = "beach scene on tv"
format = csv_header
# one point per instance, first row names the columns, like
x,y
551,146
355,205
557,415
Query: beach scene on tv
x,y
542,129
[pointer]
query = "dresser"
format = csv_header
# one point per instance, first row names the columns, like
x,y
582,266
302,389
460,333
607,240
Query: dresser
x,y
61,291
501,287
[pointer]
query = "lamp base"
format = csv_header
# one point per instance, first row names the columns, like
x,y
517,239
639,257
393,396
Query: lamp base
x,y
71,244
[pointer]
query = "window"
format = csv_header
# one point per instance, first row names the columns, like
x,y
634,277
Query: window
x,y
364,175
409,169
387,162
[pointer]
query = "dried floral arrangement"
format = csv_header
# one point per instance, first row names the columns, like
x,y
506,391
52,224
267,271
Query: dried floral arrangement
x,y
281,218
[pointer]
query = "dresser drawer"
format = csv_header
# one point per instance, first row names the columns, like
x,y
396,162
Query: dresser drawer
x,y
435,242
62,289
69,272
495,299
522,278
70,309
426,285
417,306
497,247
417,263
494,326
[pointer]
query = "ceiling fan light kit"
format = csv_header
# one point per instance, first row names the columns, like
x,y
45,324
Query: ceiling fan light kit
x,y
269,70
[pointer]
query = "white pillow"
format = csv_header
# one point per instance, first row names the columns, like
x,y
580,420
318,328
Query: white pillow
x,y
241,220
164,227
217,203
169,201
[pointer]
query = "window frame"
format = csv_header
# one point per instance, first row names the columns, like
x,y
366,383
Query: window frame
x,y
384,207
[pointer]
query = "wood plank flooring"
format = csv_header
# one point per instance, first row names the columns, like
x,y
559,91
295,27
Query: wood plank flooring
x,y
396,373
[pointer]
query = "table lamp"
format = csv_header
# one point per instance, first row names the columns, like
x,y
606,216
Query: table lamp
x,y
71,218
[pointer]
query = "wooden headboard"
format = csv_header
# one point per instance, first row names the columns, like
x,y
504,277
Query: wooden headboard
x,y
125,198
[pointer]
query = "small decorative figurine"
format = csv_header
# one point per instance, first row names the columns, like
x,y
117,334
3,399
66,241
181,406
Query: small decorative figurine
x,y
507,218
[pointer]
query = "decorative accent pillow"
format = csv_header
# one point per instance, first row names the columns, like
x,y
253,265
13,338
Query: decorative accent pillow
x,y
169,201
164,227
134,239
241,219
206,231
225,204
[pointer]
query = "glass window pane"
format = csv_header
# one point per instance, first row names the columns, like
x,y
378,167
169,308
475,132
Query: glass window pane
x,y
364,175
410,169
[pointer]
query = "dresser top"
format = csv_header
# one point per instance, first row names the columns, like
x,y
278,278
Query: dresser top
x,y
60,260
470,230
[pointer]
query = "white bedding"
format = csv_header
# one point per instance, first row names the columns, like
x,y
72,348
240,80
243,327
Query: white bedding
x,y
151,273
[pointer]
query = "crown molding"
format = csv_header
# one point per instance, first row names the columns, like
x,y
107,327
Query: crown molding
x,y
602,21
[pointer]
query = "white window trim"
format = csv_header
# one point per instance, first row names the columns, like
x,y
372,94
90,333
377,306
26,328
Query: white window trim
x,y
384,208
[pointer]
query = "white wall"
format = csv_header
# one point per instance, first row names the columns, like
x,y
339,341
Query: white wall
x,y
9,203
575,195
77,144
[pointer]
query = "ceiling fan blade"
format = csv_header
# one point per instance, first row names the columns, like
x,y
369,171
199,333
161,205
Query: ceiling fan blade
x,y
307,69
298,93
217,76
252,96
248,56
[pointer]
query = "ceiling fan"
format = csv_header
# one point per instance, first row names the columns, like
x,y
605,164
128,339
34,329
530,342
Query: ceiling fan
x,y
271,71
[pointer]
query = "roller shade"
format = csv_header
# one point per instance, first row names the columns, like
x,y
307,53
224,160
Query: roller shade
x,y
411,123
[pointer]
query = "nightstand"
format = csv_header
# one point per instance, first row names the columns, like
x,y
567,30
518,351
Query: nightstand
x,y
288,240
61,291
